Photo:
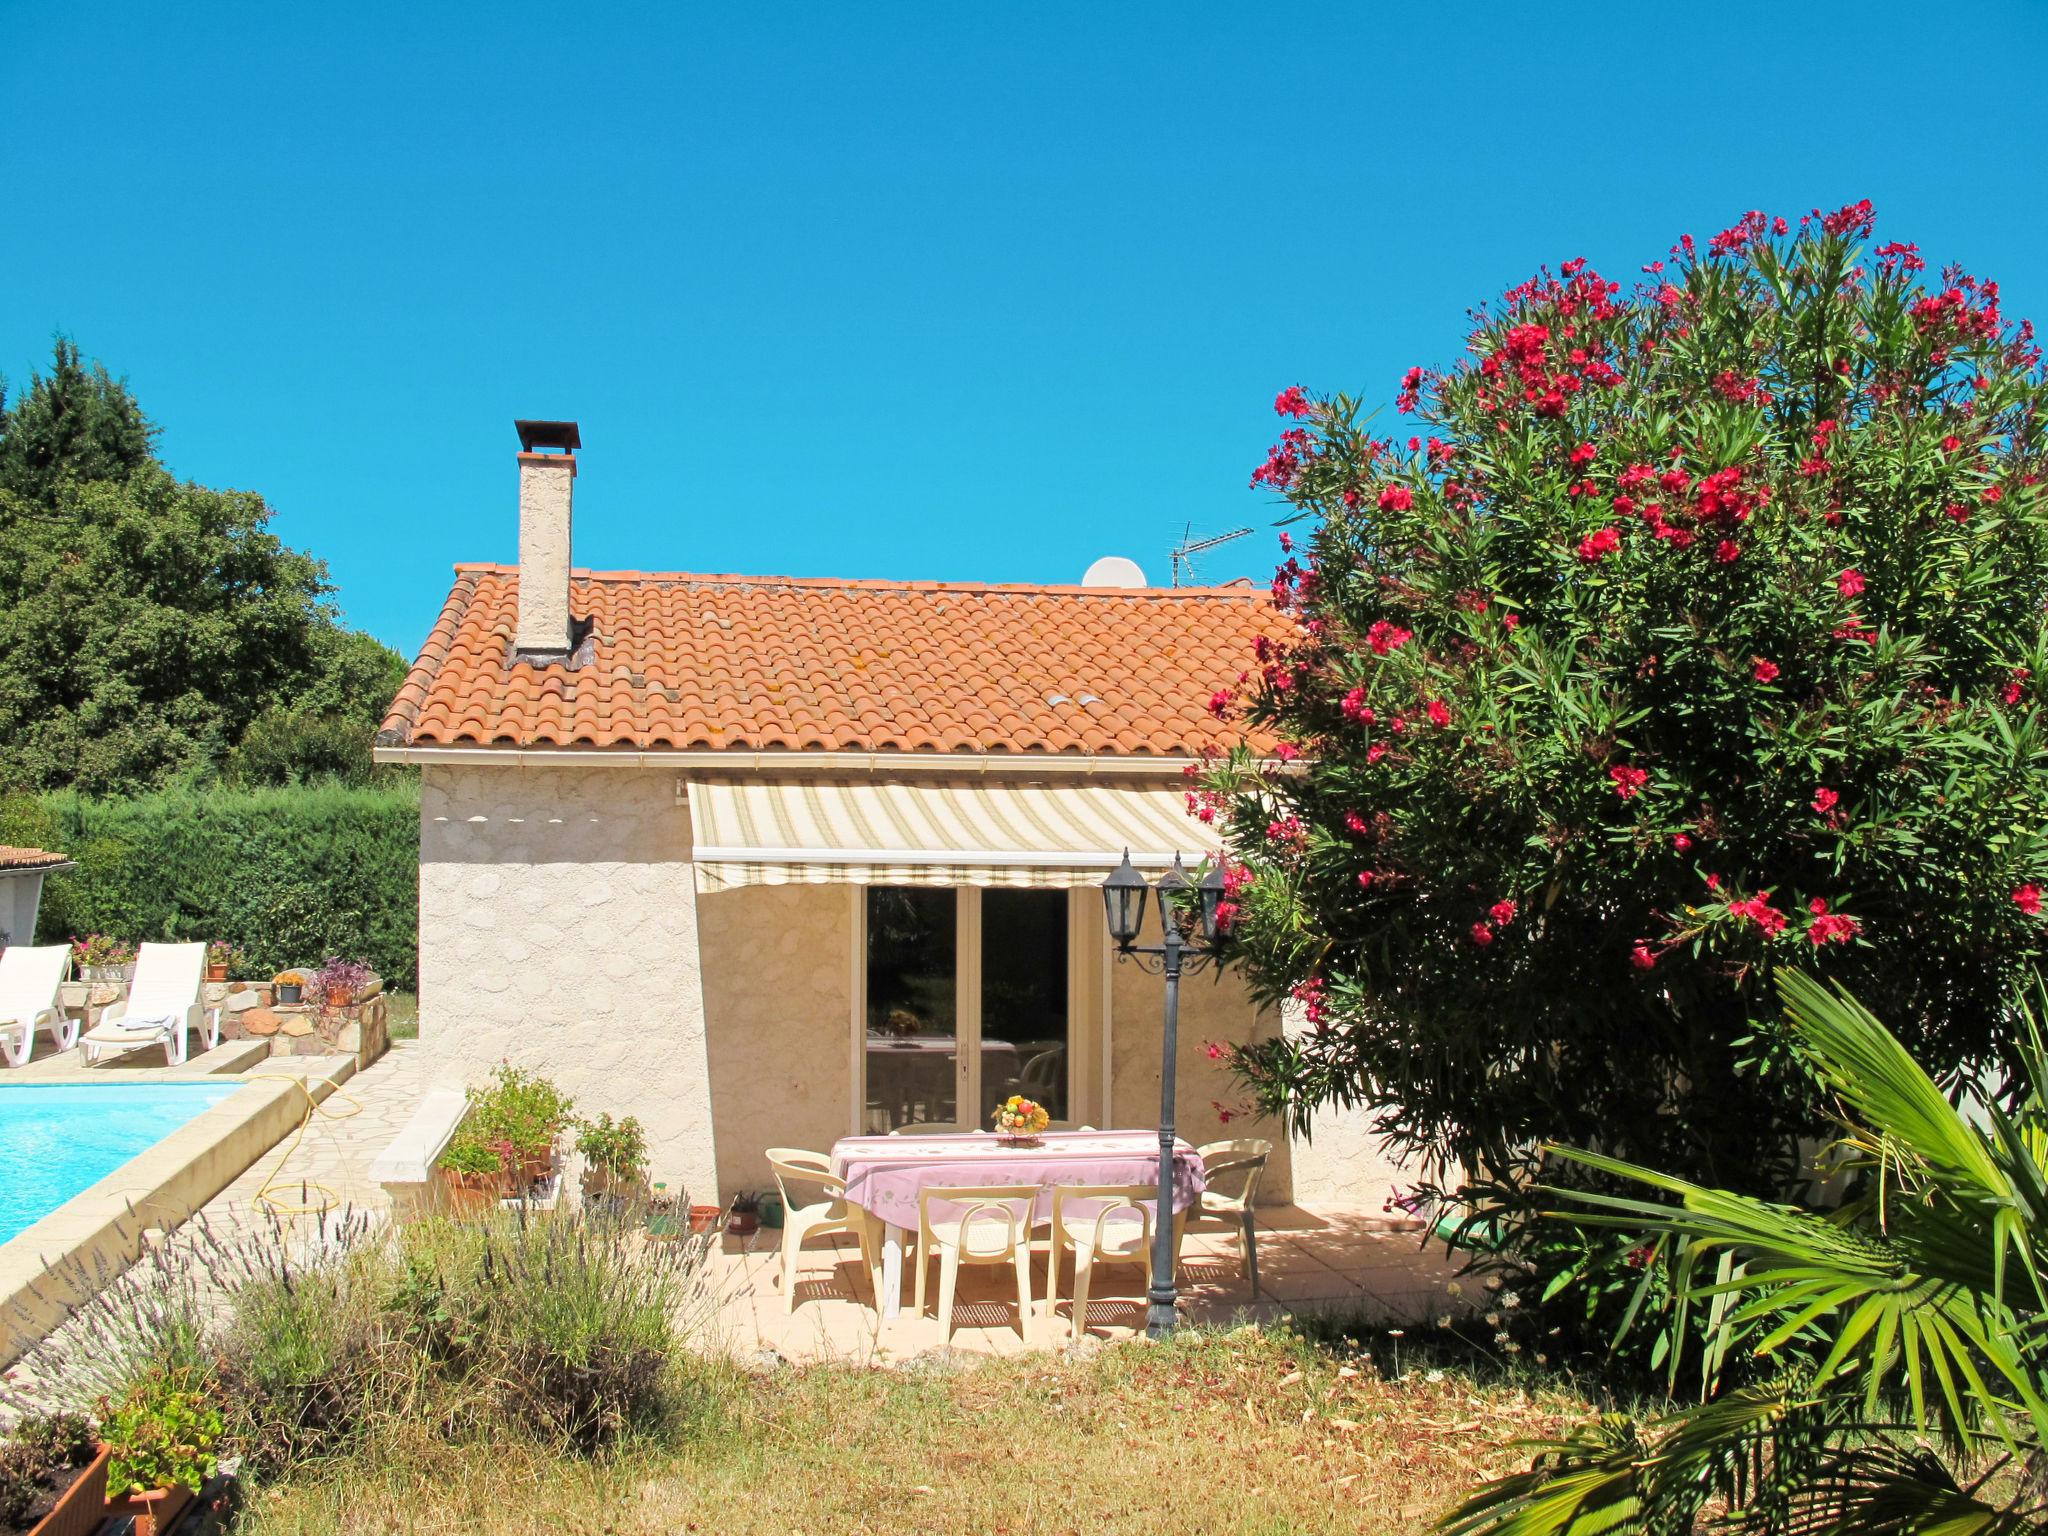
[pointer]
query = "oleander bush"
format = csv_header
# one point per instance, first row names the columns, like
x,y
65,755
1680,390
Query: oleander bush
x,y
1697,628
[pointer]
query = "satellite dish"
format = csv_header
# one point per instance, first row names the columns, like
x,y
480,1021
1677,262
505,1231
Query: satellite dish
x,y
1114,571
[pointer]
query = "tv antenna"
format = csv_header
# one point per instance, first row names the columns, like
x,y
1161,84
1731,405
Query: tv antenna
x,y
1184,556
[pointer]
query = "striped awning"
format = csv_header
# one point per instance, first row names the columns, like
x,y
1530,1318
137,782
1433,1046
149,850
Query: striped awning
x,y
934,830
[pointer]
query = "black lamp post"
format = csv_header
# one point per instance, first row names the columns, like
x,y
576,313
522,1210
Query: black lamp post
x,y
1183,908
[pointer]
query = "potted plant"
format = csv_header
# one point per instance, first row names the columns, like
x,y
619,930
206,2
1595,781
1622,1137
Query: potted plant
x,y
161,1437
527,1114
101,957
662,1217
743,1216
53,1477
291,987
614,1159
472,1173
338,981
222,959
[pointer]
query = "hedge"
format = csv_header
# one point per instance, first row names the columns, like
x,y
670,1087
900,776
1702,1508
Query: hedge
x,y
290,875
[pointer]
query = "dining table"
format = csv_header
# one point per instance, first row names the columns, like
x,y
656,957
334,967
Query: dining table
x,y
886,1176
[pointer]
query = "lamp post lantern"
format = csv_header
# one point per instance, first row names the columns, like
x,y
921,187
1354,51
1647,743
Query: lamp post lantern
x,y
1183,906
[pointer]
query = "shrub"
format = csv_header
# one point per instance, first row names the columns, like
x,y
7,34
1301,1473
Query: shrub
x,y
1697,628
572,1321
285,875
301,1364
317,1344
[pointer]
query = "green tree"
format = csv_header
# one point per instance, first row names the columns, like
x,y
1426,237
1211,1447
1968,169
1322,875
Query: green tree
x,y
76,423
145,622
1696,629
1878,1368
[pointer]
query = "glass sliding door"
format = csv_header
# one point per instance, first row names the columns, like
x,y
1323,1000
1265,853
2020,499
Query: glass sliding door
x,y
965,1003
1024,1024
913,1016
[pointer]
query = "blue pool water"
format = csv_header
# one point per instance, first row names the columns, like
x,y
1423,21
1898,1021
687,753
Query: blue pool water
x,y
57,1141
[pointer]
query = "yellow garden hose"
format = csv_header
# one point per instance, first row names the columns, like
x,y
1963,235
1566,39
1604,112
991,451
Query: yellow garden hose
x,y
327,1197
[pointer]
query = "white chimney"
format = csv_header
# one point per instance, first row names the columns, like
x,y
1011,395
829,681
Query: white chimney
x,y
547,493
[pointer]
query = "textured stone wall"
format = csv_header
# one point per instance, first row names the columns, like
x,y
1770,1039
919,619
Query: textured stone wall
x,y
778,983
558,930
1344,1162
547,488
1212,1008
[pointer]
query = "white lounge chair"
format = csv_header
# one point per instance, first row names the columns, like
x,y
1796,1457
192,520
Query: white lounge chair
x,y
30,983
165,1003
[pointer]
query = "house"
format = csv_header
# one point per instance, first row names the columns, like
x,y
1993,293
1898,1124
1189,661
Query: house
x,y
765,861
22,872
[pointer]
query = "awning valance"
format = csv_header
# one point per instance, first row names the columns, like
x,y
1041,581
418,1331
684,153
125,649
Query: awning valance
x,y
932,831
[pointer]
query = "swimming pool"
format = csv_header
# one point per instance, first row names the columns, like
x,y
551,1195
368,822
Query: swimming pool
x,y
56,1141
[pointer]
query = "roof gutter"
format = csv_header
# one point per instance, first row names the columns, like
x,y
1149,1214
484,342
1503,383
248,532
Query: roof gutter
x,y
786,761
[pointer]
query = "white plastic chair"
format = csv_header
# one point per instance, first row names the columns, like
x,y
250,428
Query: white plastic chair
x,y
998,1217
165,1000
1230,1173
31,991
834,1213
1113,1225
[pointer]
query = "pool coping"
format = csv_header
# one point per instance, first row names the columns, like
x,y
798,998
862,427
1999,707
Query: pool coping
x,y
54,1265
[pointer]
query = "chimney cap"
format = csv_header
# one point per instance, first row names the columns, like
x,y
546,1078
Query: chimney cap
x,y
535,435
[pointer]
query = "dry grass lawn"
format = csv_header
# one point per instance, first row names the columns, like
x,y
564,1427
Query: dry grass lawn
x,y
1248,1433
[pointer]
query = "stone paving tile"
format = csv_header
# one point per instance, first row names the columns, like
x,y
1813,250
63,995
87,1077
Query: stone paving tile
x,y
1310,1259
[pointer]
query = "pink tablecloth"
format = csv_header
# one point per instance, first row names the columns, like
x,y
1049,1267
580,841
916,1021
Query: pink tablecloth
x,y
884,1174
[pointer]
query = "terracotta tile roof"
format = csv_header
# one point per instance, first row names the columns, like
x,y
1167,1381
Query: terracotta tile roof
x,y
765,662
29,858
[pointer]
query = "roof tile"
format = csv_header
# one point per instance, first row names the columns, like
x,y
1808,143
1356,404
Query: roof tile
x,y
691,661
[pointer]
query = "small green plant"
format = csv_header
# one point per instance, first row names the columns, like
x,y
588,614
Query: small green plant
x,y
221,952
520,1108
615,1147
164,1432
468,1153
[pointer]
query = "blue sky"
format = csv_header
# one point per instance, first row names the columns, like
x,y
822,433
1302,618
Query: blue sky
x,y
971,292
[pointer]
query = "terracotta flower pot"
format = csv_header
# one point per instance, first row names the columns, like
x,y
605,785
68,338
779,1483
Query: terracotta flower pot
x,y
704,1217
340,997
216,972
743,1223
82,1506
154,1512
471,1194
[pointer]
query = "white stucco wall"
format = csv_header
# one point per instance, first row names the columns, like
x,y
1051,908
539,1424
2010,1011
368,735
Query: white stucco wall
x,y
778,990
1343,1161
21,892
1212,1008
558,930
